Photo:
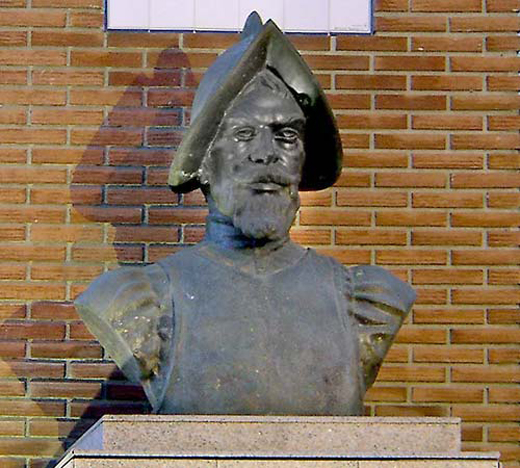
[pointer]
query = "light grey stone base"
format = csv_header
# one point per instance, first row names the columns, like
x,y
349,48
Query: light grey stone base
x,y
84,460
273,442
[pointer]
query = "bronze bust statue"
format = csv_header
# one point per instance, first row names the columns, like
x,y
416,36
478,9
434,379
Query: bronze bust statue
x,y
247,322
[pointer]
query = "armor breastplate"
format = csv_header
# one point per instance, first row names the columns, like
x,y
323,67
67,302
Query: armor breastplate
x,y
274,343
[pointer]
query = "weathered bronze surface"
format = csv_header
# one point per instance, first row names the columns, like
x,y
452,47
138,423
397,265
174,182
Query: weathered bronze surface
x,y
247,322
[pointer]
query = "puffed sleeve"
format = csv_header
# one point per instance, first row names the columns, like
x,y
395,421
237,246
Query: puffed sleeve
x,y
130,312
378,302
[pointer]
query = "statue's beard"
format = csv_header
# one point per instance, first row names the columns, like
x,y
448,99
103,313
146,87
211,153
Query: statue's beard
x,y
266,215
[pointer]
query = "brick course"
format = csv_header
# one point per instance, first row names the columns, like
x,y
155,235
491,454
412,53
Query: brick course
x,y
428,113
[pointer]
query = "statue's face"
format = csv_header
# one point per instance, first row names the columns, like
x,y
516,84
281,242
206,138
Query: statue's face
x,y
254,165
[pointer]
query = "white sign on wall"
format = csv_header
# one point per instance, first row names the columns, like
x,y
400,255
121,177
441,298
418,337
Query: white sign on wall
x,y
310,16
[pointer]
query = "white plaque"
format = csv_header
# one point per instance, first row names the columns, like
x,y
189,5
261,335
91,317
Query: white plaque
x,y
298,16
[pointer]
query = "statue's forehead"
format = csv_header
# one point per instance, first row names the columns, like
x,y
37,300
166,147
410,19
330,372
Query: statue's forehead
x,y
264,105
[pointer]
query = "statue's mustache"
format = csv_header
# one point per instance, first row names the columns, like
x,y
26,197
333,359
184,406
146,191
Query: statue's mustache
x,y
268,177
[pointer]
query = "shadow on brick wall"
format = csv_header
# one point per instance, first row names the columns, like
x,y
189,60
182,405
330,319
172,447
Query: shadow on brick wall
x,y
122,213
120,182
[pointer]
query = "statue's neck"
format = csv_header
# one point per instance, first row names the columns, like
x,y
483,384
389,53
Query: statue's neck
x,y
252,256
221,231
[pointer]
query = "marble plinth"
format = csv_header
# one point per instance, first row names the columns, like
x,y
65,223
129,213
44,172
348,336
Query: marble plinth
x,y
273,442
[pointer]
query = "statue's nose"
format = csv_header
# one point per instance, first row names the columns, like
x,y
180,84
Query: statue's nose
x,y
265,150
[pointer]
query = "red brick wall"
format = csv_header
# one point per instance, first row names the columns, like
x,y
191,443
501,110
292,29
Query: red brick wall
x,y
428,110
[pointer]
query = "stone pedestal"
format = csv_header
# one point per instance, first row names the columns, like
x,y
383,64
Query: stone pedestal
x,y
273,442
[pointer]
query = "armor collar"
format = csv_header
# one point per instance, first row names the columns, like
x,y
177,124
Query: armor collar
x,y
226,244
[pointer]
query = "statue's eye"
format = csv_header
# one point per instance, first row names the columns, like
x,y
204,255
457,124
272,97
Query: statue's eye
x,y
244,134
287,135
